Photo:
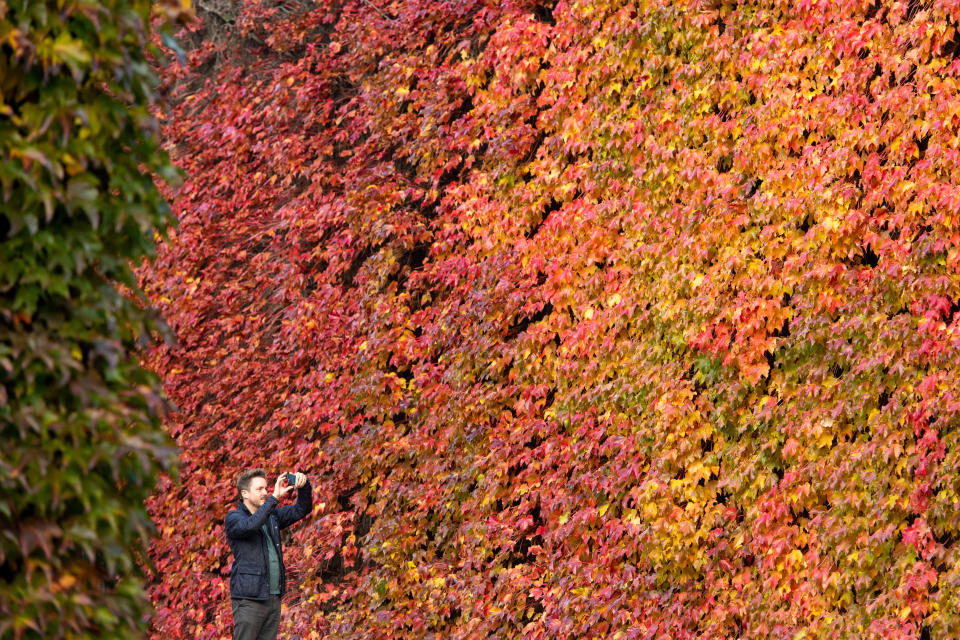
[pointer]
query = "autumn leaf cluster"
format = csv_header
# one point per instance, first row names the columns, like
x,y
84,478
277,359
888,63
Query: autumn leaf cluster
x,y
588,319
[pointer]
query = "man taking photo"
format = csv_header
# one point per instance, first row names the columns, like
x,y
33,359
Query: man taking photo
x,y
253,532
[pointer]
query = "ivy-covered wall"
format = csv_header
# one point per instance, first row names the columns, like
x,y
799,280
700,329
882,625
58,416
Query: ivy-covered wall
x,y
589,318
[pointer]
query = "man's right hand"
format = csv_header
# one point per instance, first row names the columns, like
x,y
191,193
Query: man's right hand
x,y
281,488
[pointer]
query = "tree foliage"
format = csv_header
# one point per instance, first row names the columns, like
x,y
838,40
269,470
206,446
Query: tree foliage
x,y
80,418
603,318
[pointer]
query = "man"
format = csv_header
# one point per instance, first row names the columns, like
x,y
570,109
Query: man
x,y
253,532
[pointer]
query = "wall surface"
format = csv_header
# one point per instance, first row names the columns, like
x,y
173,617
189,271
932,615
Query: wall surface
x,y
602,319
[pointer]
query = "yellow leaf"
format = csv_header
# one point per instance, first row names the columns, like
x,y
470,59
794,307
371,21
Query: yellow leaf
x,y
796,557
70,50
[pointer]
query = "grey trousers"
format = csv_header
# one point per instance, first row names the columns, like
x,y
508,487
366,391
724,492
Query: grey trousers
x,y
255,619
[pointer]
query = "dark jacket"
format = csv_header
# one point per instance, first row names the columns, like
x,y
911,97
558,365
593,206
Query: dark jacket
x,y
250,575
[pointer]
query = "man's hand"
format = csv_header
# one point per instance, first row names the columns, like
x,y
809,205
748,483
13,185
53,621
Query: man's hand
x,y
300,481
280,491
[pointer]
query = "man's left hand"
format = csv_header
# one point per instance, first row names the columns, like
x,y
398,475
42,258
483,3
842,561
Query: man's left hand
x,y
300,480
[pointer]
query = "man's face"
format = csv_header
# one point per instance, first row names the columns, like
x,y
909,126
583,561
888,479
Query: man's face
x,y
257,493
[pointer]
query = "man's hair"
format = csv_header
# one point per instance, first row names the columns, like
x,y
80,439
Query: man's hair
x,y
243,482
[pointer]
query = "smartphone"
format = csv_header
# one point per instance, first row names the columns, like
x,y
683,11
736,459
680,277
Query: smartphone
x,y
291,479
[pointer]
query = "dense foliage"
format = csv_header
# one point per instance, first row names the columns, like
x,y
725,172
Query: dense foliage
x,y
620,319
80,419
